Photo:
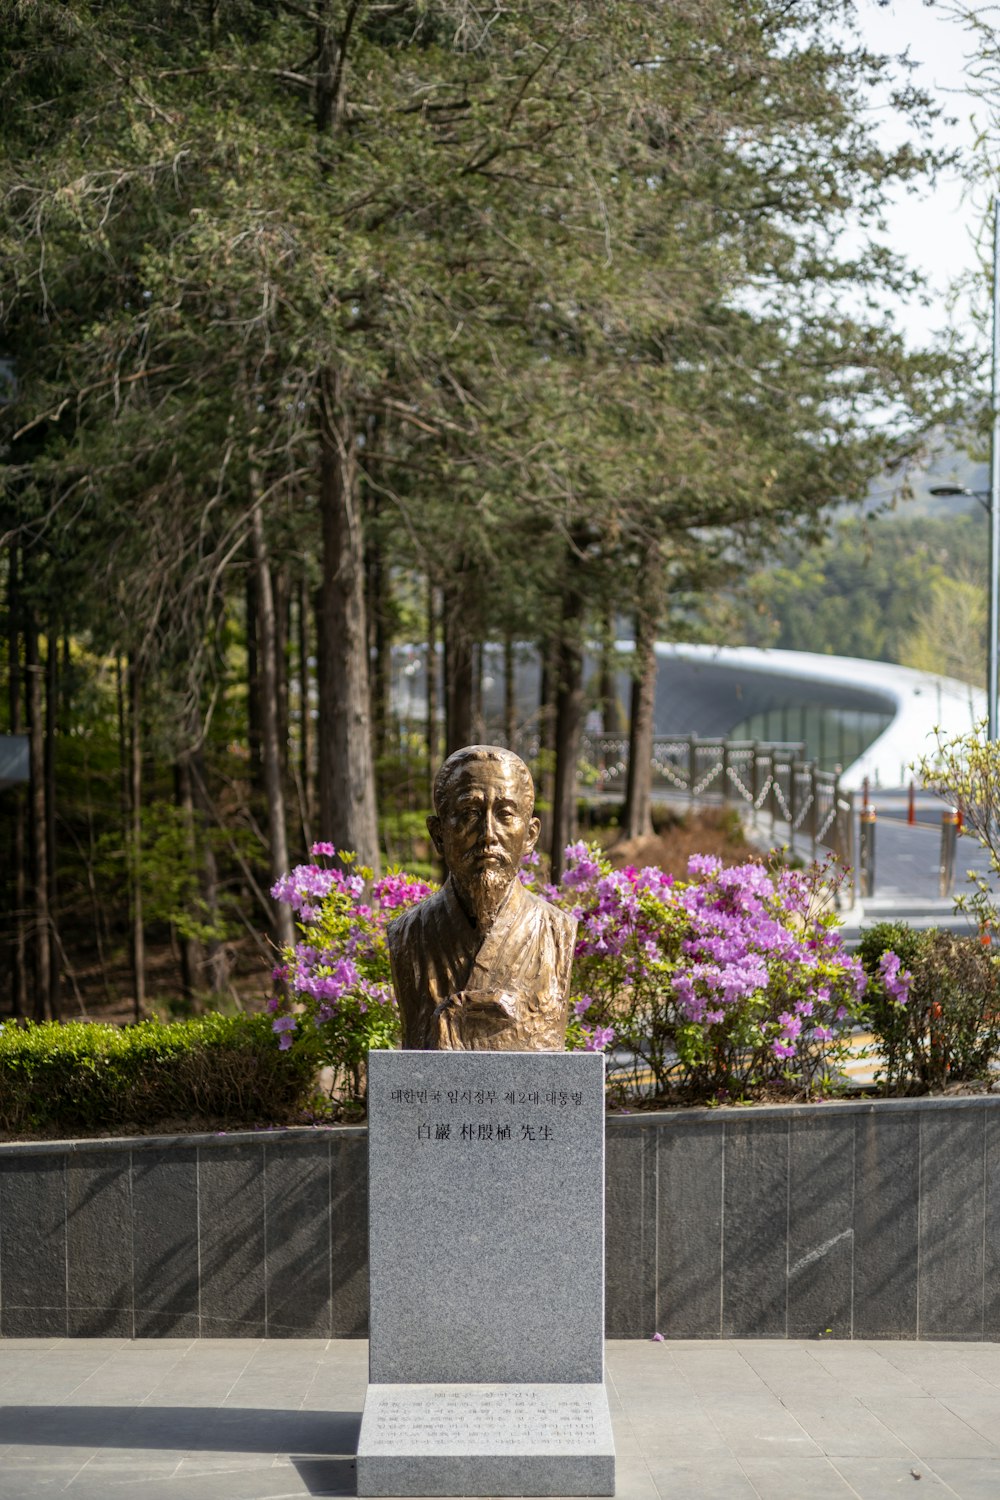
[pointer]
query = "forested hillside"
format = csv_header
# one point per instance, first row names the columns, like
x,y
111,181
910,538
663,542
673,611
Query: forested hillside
x,y
334,321
897,588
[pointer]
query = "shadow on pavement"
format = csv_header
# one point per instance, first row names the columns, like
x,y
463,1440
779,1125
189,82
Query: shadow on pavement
x,y
197,1428
328,1476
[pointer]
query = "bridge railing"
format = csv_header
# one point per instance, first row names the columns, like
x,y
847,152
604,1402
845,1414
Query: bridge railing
x,y
773,781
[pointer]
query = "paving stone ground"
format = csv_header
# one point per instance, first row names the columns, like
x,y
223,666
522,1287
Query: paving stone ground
x,y
245,1419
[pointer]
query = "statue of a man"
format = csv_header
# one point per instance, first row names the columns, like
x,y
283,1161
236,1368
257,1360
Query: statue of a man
x,y
483,965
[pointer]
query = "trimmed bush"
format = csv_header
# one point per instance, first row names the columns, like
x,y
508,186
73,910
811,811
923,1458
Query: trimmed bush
x,y
91,1076
936,1023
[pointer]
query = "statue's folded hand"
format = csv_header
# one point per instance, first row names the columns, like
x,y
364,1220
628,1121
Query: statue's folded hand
x,y
497,1003
470,1019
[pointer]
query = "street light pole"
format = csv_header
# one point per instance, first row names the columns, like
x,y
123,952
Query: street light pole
x,y
991,501
994,622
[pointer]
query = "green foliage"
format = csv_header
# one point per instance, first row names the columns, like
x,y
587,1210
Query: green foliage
x,y
947,1030
965,771
88,1076
336,994
884,589
888,937
564,285
887,1019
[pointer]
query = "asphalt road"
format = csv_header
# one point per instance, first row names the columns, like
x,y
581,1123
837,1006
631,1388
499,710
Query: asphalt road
x,y
908,857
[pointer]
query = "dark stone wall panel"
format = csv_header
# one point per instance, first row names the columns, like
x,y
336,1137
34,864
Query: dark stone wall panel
x,y
33,1247
886,1176
689,1271
349,1237
231,1232
165,1242
630,1233
991,1236
99,1245
297,1192
283,1228
952,1205
755,1229
821,1227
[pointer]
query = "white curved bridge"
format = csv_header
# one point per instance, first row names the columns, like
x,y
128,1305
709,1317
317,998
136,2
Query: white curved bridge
x,y
890,712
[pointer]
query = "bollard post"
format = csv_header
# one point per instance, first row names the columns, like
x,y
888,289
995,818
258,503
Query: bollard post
x,y
864,795
911,811
754,780
949,839
866,852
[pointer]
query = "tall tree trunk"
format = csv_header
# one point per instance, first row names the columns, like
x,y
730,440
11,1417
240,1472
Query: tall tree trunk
x,y
36,825
51,718
134,678
192,957
307,773
568,720
433,743
611,717
376,608
509,692
281,594
217,955
19,966
253,680
637,821
545,780
267,667
478,708
346,765
458,707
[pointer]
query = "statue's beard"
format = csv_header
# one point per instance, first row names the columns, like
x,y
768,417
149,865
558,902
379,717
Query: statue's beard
x,y
484,893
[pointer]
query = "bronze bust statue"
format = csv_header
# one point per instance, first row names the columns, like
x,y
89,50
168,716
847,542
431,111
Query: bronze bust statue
x,y
483,965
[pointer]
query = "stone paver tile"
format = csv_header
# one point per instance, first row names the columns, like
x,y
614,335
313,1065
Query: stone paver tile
x,y
796,1479
674,1435
755,1427
981,1413
31,1346
694,1479
971,1478
888,1479
263,1483
716,1370
861,1369
633,1480
927,1427
846,1428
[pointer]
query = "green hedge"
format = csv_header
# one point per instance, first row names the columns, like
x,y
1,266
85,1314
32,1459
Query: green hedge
x,y
95,1077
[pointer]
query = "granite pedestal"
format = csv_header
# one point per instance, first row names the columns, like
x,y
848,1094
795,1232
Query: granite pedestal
x,y
486,1196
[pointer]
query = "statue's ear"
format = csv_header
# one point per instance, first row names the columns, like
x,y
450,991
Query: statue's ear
x,y
434,829
534,829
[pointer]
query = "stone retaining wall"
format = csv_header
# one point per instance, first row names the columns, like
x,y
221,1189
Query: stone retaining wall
x,y
870,1220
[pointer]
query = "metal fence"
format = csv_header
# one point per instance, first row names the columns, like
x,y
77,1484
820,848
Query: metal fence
x,y
772,782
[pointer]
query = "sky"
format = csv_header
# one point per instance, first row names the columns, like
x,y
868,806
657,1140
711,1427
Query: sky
x,y
936,229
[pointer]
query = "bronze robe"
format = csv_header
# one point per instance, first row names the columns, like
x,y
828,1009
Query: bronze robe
x,y
518,971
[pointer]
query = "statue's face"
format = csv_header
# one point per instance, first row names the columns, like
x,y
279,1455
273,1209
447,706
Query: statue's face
x,y
486,827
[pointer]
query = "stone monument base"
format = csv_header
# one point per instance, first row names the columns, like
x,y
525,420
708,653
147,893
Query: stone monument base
x,y
478,1439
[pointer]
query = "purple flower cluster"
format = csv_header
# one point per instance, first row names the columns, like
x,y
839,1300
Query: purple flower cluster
x,y
730,969
895,980
718,984
337,977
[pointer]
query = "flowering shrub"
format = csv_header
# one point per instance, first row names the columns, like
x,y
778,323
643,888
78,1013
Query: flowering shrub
x,y
938,1022
334,993
717,986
